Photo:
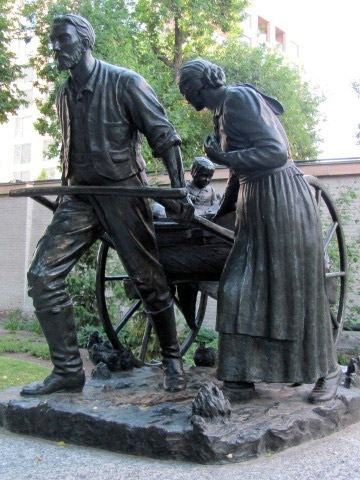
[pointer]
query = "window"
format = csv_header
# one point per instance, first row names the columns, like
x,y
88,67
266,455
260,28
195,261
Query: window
x,y
22,153
19,131
46,144
23,176
29,47
28,74
246,39
280,38
263,30
247,21
294,50
23,127
19,45
29,97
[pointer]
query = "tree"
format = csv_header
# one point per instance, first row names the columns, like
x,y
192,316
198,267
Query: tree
x,y
154,37
175,31
269,71
178,29
11,97
43,175
114,43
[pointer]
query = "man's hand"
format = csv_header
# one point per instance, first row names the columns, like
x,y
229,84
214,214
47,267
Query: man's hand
x,y
181,210
187,211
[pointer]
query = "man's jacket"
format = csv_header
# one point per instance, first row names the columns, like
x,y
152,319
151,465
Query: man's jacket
x,y
121,108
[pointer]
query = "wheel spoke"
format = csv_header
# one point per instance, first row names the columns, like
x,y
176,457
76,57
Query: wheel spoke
x,y
328,207
145,341
335,274
128,315
178,304
330,234
334,320
110,278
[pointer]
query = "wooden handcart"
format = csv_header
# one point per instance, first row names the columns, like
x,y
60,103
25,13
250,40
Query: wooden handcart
x,y
193,260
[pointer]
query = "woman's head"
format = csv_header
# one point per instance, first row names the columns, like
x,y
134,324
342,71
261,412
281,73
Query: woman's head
x,y
197,75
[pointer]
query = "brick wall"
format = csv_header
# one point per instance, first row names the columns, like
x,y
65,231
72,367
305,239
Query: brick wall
x,y
23,222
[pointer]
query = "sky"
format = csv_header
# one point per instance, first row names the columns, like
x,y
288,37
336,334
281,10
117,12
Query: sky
x,y
328,32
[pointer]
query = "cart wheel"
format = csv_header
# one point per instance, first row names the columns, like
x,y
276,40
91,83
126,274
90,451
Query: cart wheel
x,y
335,256
113,332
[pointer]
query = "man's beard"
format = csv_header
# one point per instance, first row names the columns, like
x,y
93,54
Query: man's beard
x,y
65,61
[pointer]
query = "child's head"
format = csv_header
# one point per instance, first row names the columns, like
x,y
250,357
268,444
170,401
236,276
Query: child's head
x,y
202,171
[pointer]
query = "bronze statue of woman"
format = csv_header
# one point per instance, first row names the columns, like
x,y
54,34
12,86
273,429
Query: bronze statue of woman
x,y
273,315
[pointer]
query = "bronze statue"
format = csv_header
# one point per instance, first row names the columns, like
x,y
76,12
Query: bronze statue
x,y
103,110
273,315
202,195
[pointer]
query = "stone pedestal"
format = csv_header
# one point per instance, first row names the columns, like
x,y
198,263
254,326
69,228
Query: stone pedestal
x,y
130,413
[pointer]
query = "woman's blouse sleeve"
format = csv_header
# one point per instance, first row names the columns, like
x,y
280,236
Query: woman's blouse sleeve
x,y
247,115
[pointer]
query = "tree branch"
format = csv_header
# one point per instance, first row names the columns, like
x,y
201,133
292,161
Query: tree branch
x,y
162,58
178,43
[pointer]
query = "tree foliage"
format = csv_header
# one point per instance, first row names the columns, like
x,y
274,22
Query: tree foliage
x,y
178,29
11,97
154,37
268,71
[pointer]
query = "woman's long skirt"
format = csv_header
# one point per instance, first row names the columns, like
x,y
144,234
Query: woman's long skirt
x,y
273,315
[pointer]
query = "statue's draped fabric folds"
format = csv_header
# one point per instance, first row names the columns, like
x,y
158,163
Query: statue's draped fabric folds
x,y
273,313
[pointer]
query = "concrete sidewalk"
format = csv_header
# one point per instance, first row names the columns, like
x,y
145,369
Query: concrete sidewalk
x,y
23,458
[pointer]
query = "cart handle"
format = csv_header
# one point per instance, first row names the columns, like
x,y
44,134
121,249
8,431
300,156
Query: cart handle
x,y
165,196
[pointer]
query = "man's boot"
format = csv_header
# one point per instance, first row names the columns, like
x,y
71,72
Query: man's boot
x,y
165,328
68,374
325,388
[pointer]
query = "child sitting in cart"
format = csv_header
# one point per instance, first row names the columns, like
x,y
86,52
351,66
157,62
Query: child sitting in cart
x,y
202,195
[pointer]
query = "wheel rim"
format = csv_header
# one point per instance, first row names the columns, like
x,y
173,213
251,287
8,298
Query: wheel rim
x,y
113,332
189,339
322,196
101,297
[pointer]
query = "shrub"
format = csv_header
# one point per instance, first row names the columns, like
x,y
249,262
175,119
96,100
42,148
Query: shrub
x,y
18,320
11,344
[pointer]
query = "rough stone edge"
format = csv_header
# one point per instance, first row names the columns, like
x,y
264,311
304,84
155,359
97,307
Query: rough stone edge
x,y
206,443
59,424
319,422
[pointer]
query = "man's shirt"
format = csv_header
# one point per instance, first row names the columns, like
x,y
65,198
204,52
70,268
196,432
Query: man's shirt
x,y
78,104
106,119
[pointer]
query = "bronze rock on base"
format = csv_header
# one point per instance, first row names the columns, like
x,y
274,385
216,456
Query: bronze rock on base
x,y
130,413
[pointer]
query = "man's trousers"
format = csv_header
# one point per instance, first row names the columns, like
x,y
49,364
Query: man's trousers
x,y
77,223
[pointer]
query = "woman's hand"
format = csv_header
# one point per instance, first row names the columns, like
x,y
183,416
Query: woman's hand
x,y
214,152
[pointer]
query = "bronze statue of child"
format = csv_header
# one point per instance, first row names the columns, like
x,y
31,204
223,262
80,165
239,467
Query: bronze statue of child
x,y
202,195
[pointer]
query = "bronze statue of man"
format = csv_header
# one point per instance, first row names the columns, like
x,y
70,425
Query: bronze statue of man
x,y
103,111
273,314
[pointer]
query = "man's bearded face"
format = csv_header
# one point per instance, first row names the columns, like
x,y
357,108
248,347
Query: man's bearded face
x,y
67,45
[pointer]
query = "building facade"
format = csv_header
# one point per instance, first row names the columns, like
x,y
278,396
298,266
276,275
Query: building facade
x,y
261,26
23,148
